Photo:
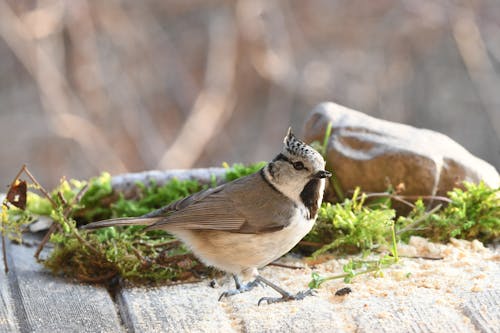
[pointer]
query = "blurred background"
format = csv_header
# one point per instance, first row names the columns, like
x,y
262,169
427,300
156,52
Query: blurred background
x,y
90,85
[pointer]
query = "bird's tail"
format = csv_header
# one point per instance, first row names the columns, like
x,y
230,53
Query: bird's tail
x,y
126,221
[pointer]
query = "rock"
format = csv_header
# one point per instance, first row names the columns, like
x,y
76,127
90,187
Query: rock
x,y
42,223
370,153
126,184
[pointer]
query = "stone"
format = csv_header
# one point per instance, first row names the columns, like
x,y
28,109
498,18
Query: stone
x,y
126,184
371,153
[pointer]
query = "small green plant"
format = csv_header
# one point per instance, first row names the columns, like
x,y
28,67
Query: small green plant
x,y
239,170
357,267
362,223
350,226
473,213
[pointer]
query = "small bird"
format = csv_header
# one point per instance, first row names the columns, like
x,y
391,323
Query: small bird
x,y
245,224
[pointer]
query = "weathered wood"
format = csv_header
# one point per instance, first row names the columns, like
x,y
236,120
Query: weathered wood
x,y
312,314
180,308
45,303
8,319
483,308
407,314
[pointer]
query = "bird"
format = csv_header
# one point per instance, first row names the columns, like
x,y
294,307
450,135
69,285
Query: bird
x,y
243,225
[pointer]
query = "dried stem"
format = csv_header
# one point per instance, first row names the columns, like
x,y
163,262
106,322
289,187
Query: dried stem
x,y
55,226
418,221
40,187
167,245
277,264
312,244
45,239
99,279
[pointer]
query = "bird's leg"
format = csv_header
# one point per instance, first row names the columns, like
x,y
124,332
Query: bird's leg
x,y
240,288
285,295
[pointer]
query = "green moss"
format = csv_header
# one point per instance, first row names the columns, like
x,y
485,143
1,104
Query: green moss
x,y
239,170
471,214
353,225
350,226
342,227
152,197
129,252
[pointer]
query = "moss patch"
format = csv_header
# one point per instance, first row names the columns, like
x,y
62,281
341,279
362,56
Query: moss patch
x,y
353,225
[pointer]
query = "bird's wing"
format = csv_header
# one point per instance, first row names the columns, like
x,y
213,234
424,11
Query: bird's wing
x,y
184,202
157,215
246,205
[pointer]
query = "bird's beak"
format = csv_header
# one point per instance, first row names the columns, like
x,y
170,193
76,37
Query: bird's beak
x,y
322,174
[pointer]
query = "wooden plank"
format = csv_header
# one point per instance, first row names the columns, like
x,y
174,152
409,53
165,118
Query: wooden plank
x,y
8,320
407,314
483,308
312,314
46,303
180,308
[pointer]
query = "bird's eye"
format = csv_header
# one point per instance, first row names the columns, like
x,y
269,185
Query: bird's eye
x,y
298,165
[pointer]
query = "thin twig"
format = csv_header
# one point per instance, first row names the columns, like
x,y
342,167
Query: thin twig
x,y
423,257
426,197
61,198
45,239
390,196
168,244
312,244
419,220
55,226
39,187
76,199
23,168
77,235
277,264
85,242
410,197
146,262
4,241
162,260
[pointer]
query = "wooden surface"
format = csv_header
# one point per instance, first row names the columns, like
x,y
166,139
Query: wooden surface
x,y
483,308
33,300
37,301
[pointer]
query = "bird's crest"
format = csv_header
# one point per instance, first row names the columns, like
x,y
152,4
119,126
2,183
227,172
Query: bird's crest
x,y
296,147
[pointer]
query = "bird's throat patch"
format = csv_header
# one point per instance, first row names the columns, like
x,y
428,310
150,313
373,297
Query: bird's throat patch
x,y
310,195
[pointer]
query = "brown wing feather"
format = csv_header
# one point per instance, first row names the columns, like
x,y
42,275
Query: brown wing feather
x,y
246,205
184,202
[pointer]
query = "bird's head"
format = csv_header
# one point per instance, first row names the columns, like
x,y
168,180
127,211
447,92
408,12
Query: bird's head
x,y
295,166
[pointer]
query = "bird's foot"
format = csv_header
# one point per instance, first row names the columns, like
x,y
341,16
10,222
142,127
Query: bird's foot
x,y
240,288
288,297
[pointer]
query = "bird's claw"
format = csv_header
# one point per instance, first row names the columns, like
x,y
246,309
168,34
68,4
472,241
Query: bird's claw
x,y
242,289
229,293
289,297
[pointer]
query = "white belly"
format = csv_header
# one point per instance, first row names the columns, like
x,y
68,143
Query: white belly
x,y
237,253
